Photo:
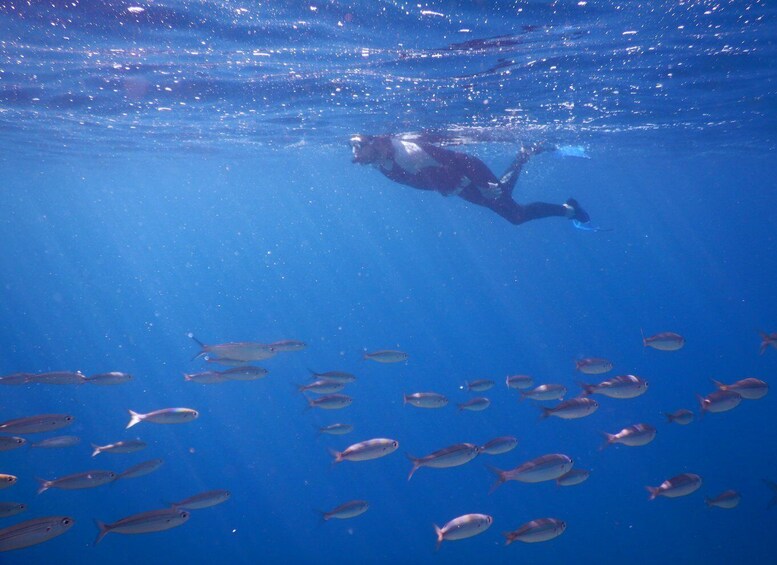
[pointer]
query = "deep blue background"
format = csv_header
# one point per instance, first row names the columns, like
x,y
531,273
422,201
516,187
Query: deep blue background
x,y
125,232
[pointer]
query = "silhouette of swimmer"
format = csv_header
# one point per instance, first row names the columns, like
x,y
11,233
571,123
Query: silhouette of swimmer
x,y
429,167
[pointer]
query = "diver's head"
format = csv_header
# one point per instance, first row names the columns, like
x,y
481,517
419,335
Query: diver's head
x,y
369,149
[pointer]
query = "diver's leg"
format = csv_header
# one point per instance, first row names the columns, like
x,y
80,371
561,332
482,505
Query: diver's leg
x,y
508,180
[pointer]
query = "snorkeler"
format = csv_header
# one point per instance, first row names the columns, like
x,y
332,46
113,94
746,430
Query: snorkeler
x,y
429,167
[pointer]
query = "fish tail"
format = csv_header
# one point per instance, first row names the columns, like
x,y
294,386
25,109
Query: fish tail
x,y
439,532
415,468
96,451
765,339
103,530
43,485
501,477
337,456
545,412
708,501
508,538
669,417
607,440
404,399
135,418
718,384
653,492
587,389
644,341
203,347
700,398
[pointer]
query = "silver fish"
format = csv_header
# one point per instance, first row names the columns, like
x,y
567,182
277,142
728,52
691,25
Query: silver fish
x,y
573,477
7,480
463,527
336,429
728,499
519,381
141,469
244,373
681,485
77,481
112,378
330,402
57,378
545,392
425,400
225,361
288,345
387,356
750,388
164,416
451,456
665,341
126,446
7,443
322,386
14,379
57,442
33,532
499,445
237,351
545,468
480,385
8,509
543,529
203,500
681,416
349,509
719,401
366,450
36,424
338,376
476,404
633,436
623,386
205,377
571,409
143,523
593,365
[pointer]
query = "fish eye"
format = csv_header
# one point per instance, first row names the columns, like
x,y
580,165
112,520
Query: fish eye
x,y
184,514
68,418
66,521
395,443
19,440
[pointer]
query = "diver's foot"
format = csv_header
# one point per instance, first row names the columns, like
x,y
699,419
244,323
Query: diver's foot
x,y
575,211
532,149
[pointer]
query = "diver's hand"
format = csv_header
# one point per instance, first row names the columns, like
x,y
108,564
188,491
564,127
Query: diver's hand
x,y
492,190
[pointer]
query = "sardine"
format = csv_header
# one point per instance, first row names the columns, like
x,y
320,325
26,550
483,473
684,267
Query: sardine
x,y
519,381
77,481
164,416
143,523
237,351
623,386
140,469
545,392
7,443
336,429
36,424
573,477
633,436
545,468
57,378
451,456
126,446
338,376
463,527
205,378
330,402
543,529
681,485
203,500
347,510
681,416
7,480
728,499
8,509
593,365
571,409
480,385
426,400
112,378
244,373
476,404
387,356
665,341
288,345
499,445
750,388
33,532
719,401
57,442
366,450
322,386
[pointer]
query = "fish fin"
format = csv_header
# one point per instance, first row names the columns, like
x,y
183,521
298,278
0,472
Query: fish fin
x,y
43,485
653,492
718,384
545,412
336,455
607,440
203,347
644,341
322,515
135,418
103,530
765,339
439,532
97,450
500,477
700,398
415,468
508,538
587,389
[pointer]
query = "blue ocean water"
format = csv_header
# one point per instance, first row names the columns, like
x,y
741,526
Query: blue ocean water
x,y
172,167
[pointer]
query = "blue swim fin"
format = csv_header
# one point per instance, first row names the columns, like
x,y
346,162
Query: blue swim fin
x,y
572,151
588,226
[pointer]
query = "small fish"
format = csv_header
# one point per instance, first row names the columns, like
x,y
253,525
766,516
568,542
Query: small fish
x,y
519,381
350,509
14,379
633,436
8,509
719,401
545,392
237,351
499,445
225,361
338,376
593,365
387,356
571,409
573,477
244,373
545,468
463,527
143,523
750,388
480,385
36,424
140,469
330,402
57,442
33,532
728,499
336,429
477,404
681,416
322,386
288,345
126,446
366,450
665,341
57,378
205,377
203,500
766,341
543,529
164,416
7,443
112,378
681,485
623,386
451,456
77,481
7,480
426,400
